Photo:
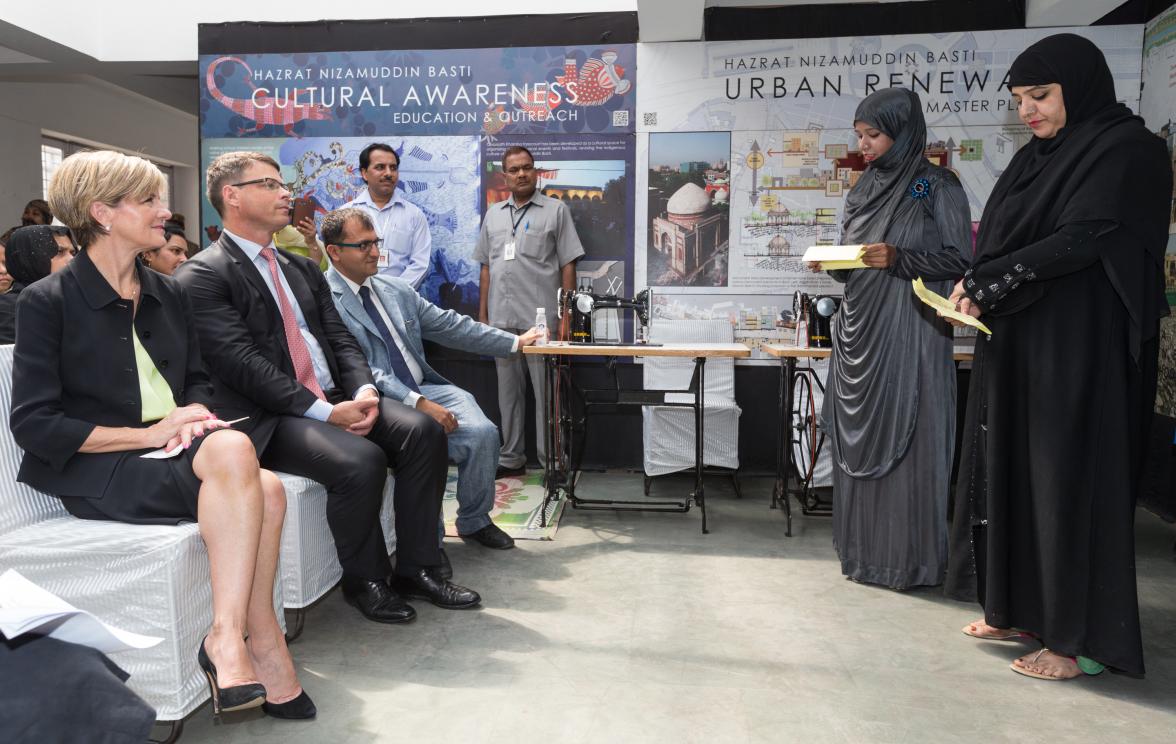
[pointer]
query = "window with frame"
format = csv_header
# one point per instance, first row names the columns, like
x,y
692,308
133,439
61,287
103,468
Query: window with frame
x,y
54,150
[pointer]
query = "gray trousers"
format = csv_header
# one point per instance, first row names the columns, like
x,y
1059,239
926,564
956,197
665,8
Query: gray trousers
x,y
512,403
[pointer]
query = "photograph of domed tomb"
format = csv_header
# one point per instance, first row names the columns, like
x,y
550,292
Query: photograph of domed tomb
x,y
689,194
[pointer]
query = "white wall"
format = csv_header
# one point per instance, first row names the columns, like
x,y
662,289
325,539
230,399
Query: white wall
x,y
100,114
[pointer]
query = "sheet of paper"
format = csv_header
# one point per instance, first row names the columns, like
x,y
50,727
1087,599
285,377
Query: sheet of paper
x,y
162,454
825,253
945,306
839,265
26,608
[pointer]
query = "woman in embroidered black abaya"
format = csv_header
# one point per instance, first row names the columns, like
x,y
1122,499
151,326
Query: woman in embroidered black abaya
x,y
1068,278
890,407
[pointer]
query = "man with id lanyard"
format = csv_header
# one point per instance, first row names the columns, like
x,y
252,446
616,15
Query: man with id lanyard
x,y
527,248
400,224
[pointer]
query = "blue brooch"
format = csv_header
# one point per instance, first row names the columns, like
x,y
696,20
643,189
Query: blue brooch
x,y
920,189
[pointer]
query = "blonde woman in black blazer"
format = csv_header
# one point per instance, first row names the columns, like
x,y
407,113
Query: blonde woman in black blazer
x,y
107,366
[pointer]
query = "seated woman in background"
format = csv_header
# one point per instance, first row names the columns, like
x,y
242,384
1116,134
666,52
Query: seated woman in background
x,y
8,292
35,252
36,212
106,367
171,254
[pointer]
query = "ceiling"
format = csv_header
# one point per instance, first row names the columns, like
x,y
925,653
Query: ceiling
x,y
167,73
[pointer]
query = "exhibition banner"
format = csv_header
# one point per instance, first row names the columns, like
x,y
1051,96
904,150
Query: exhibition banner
x,y
802,84
527,90
1158,109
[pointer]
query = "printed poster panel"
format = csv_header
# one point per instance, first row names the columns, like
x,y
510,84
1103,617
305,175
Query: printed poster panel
x,y
688,198
519,90
1158,107
437,174
593,175
817,83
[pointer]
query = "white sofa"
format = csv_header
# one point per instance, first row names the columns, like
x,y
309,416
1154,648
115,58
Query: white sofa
x,y
153,579
145,578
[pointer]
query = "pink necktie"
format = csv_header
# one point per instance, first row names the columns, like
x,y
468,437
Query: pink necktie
x,y
299,354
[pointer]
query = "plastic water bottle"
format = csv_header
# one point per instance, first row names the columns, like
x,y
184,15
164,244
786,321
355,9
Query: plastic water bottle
x,y
541,325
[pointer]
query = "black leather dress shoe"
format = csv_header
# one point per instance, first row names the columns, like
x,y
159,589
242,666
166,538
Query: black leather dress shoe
x,y
424,584
300,708
505,472
445,570
492,537
376,600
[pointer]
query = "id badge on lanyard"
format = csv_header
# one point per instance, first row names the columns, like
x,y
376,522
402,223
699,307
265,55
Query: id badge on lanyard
x,y
508,250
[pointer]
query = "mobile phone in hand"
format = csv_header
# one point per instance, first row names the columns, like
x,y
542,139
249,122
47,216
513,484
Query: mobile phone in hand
x,y
303,209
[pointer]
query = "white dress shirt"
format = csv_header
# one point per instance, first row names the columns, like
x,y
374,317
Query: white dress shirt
x,y
403,227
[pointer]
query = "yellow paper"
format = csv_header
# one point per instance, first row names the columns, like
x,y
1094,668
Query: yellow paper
x,y
824,254
944,306
837,265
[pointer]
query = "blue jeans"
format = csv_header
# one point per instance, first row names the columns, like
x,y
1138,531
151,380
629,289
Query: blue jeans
x,y
473,445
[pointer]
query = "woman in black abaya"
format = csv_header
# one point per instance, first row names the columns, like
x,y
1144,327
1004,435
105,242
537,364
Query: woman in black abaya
x,y
890,407
1068,278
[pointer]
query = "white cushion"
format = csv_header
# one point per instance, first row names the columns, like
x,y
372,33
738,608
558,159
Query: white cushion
x,y
310,565
148,579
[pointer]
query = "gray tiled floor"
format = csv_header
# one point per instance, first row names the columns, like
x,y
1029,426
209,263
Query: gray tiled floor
x,y
634,627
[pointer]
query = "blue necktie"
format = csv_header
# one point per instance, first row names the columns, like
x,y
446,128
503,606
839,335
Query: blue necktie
x,y
395,358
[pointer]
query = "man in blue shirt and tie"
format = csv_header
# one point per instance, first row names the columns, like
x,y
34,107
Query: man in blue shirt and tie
x,y
389,319
401,225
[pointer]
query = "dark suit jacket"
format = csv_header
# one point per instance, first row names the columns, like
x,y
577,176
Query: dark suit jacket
x,y
243,340
74,369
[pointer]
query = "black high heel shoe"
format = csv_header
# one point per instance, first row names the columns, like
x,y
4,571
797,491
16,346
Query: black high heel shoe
x,y
298,709
224,700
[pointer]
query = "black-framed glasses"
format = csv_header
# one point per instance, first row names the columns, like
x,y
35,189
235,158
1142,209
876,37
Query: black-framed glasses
x,y
271,184
363,245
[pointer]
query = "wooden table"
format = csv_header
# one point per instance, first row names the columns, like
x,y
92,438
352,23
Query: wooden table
x,y
560,468
788,355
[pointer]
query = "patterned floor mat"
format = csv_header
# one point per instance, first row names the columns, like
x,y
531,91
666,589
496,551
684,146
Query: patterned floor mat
x,y
516,507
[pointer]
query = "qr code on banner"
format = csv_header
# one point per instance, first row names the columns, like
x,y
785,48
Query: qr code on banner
x,y
621,118
651,119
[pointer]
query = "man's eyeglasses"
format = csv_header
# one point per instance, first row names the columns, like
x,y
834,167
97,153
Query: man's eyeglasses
x,y
521,169
365,245
271,184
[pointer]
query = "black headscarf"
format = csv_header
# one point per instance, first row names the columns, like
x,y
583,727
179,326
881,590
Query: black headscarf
x,y
29,251
1102,166
897,113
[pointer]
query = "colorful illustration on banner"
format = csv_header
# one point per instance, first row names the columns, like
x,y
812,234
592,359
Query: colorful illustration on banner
x,y
260,107
437,174
689,206
517,90
596,81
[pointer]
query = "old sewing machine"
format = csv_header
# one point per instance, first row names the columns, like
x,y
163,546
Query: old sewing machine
x,y
584,313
